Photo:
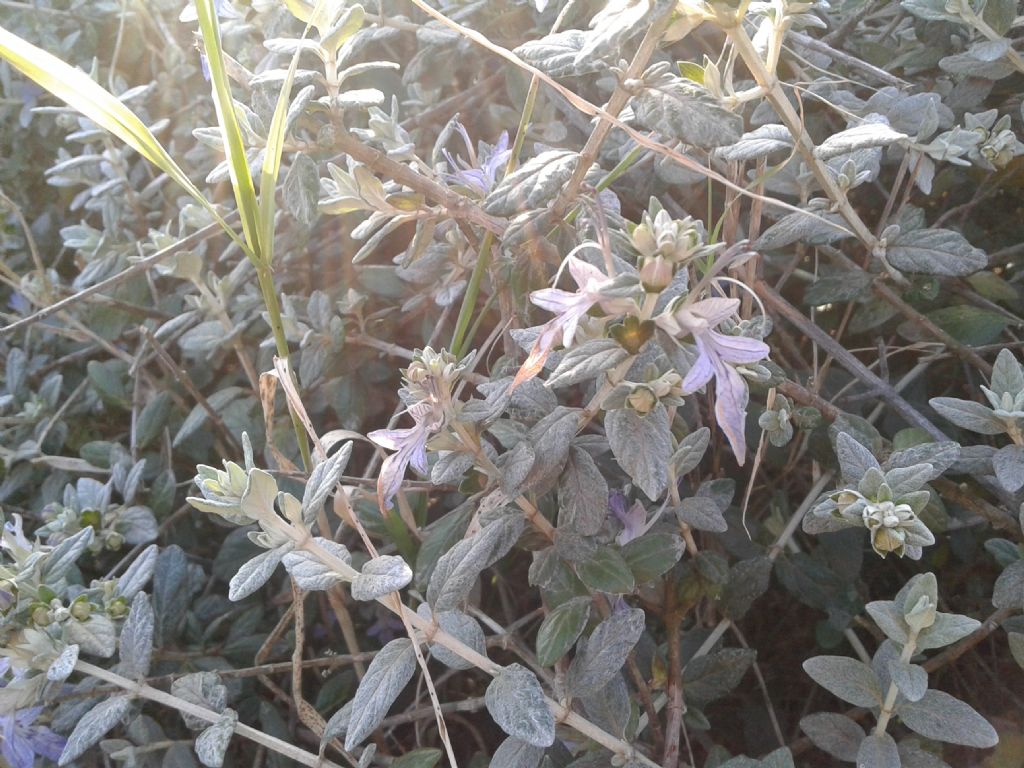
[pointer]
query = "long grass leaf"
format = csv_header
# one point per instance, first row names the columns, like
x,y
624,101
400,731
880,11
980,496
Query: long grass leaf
x,y
231,134
80,92
275,146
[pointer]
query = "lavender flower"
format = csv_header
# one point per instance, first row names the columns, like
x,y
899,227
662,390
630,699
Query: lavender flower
x,y
21,740
633,519
717,354
569,308
410,446
479,173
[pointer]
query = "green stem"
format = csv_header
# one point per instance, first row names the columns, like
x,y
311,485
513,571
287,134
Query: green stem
x,y
266,280
483,262
893,692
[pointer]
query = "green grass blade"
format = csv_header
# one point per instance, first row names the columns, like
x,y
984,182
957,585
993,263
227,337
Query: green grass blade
x,y
234,146
79,91
275,147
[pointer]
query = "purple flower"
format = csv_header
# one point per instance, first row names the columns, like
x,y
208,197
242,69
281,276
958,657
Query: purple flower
x,y
717,354
23,740
569,308
410,446
478,174
633,519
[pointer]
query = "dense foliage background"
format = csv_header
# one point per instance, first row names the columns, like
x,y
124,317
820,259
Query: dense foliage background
x,y
653,365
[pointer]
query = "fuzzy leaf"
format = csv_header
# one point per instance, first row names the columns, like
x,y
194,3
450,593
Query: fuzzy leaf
x,y
389,672
94,725
605,652
642,446
516,702
942,717
935,252
380,576
561,628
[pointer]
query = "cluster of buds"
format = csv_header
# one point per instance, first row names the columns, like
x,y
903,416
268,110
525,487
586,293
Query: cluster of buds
x,y
891,519
666,244
644,396
431,377
997,143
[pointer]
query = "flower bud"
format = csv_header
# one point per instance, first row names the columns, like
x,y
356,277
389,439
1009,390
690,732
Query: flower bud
x,y
118,608
922,615
81,610
41,617
642,400
114,541
656,274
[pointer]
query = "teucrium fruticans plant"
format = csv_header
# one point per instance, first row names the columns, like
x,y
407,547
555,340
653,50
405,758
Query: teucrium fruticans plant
x,y
714,261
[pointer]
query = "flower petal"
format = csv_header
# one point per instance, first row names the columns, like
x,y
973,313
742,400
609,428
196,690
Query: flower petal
x,y
701,371
391,439
585,273
715,310
731,396
739,349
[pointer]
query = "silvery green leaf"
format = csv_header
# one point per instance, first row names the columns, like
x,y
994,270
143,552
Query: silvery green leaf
x,y
939,716
854,459
463,628
533,184
516,466
551,438
606,651
834,733
947,629
691,451
652,555
64,555
968,415
1016,640
560,629
935,252
609,708
302,189
170,591
458,569
851,680
309,572
367,757
1008,591
1007,374
323,479
556,54
701,513
587,361
136,641
63,665
845,286
138,574
381,575
515,753
1008,463
213,742
748,580
932,10
889,619
903,480
137,524
823,227
337,725
94,725
642,446
516,702
878,751
939,456
985,59
203,689
676,109
863,136
389,672
217,401
761,142
910,679
713,675
96,635
451,467
582,495
254,573
605,570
